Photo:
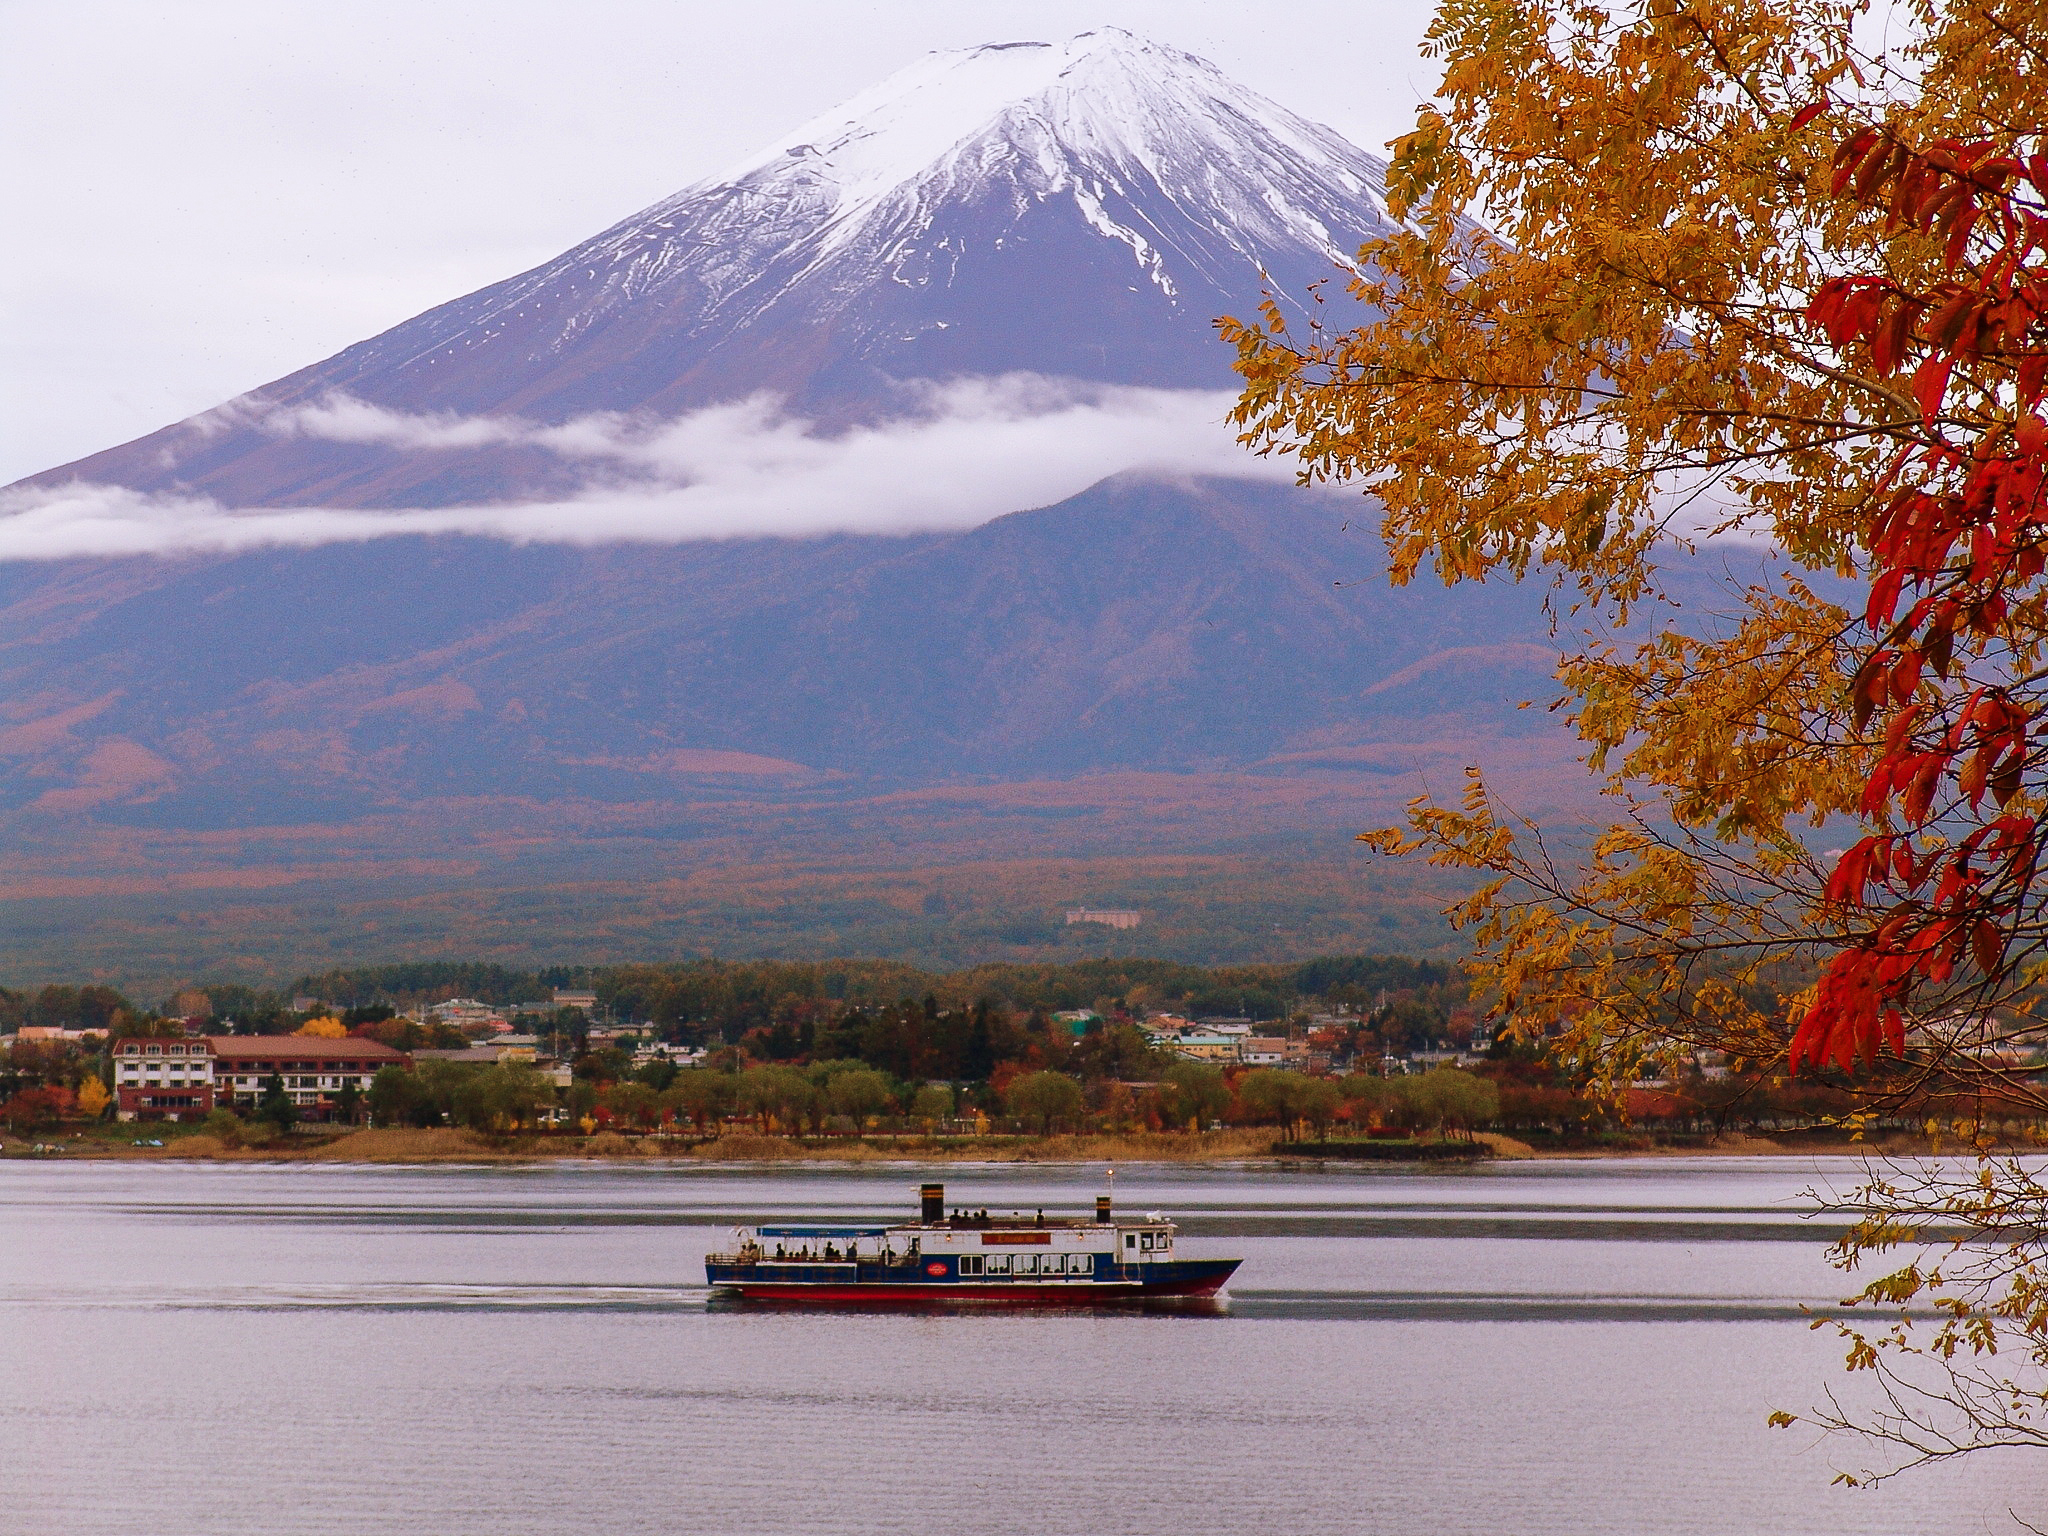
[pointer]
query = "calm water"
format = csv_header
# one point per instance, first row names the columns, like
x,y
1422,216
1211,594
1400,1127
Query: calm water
x,y
1550,1348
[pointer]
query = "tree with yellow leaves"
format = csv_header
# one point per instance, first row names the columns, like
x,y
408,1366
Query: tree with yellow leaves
x,y
93,1097
323,1029
1708,268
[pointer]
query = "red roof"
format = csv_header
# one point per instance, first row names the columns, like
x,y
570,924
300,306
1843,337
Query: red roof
x,y
232,1048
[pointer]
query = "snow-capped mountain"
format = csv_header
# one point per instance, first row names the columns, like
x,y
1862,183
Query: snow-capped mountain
x,y
556,743
1082,209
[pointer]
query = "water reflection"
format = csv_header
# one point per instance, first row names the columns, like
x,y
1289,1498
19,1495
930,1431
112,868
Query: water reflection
x,y
1587,1348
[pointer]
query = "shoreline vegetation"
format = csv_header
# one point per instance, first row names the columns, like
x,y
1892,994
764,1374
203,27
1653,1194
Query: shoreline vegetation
x,y
448,1144
1340,1060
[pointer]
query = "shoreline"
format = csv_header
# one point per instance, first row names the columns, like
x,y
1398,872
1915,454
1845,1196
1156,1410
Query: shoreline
x,y
1218,1148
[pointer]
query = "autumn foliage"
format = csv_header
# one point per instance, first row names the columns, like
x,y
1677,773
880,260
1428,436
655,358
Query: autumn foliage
x,y
1772,274
1697,271
1957,542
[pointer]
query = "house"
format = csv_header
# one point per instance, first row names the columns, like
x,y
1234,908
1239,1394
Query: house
x,y
1424,1060
1206,1047
661,1050
467,1012
171,1079
1110,917
586,1001
1274,1051
500,1050
314,1071
1076,1020
187,1079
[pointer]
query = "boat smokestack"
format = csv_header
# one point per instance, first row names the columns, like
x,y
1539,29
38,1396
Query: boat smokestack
x,y
934,1197
1102,1210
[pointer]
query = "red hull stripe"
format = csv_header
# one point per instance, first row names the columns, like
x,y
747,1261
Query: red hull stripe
x,y
1081,1295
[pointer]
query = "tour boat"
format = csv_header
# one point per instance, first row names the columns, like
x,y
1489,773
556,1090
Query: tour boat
x,y
967,1256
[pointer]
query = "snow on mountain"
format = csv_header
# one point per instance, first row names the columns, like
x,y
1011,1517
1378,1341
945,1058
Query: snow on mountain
x,y
1080,210
1106,117
1200,180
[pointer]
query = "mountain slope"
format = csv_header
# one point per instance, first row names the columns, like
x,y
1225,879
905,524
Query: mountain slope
x,y
1148,694
1151,691
1137,626
1081,210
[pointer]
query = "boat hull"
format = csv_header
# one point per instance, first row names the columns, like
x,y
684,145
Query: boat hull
x,y
1178,1278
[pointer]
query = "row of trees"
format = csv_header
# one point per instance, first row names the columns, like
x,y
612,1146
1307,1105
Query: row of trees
x,y
845,1096
1522,1090
703,1001
62,1007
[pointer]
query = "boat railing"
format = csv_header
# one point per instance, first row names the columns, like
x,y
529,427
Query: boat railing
x,y
755,1253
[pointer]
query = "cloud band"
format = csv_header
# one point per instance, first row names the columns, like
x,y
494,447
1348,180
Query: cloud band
x,y
961,454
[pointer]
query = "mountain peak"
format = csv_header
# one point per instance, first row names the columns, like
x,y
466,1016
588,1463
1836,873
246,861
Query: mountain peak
x,y
934,102
1081,209
1106,103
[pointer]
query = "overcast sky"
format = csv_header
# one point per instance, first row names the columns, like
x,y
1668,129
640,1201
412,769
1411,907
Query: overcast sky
x,y
202,196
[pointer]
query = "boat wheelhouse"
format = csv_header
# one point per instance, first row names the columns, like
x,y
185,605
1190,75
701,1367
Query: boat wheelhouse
x,y
969,1255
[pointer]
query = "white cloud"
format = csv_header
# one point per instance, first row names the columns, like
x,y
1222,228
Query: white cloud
x,y
964,453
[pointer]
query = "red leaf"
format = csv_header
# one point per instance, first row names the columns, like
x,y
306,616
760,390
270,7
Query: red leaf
x,y
1930,384
1888,346
1986,947
1884,597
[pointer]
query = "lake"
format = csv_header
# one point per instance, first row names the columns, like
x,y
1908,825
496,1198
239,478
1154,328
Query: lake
x,y
1559,1347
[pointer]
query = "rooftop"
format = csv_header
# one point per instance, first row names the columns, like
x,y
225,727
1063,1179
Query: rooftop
x,y
298,1048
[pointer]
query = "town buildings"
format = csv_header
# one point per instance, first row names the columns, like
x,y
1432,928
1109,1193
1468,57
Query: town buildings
x,y
1232,1042
1273,1051
187,1079
467,1013
51,1032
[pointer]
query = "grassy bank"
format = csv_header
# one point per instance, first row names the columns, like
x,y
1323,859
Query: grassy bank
x,y
445,1144
449,1145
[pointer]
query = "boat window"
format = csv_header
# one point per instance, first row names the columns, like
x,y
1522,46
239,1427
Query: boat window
x,y
1146,1242
1027,1263
970,1264
998,1264
1130,1239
